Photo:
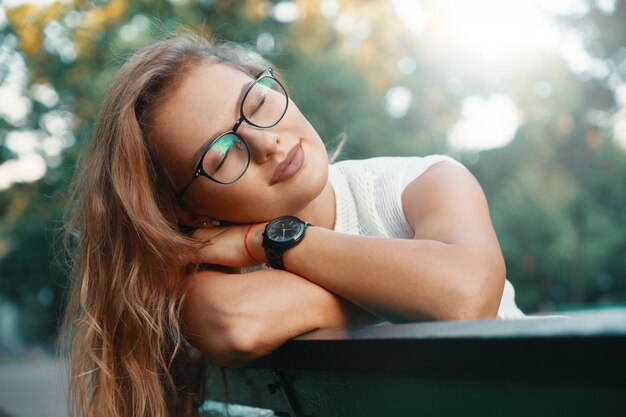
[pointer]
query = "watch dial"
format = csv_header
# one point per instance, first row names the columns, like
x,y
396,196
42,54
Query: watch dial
x,y
284,230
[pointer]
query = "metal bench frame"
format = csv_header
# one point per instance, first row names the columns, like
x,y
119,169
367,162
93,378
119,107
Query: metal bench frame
x,y
572,365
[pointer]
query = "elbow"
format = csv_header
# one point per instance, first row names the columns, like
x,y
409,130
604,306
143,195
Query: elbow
x,y
471,311
233,344
230,335
236,346
481,297
244,345
477,307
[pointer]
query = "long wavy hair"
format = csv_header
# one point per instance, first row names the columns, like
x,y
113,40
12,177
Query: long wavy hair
x,y
125,343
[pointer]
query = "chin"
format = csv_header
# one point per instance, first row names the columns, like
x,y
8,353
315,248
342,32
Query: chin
x,y
311,185
305,189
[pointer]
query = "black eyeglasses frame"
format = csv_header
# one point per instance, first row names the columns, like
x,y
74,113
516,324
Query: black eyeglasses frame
x,y
199,171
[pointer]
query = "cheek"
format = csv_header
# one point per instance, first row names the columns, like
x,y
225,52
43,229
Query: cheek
x,y
251,202
244,201
224,204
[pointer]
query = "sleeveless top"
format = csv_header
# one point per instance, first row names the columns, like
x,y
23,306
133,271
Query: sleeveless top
x,y
368,202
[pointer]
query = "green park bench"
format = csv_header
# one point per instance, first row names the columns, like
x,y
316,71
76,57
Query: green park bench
x,y
573,365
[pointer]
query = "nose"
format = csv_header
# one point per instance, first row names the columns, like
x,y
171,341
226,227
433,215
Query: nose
x,y
263,143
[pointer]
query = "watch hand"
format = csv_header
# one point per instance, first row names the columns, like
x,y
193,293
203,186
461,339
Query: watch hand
x,y
283,226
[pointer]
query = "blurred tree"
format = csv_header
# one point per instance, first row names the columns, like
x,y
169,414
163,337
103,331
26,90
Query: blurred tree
x,y
554,191
352,66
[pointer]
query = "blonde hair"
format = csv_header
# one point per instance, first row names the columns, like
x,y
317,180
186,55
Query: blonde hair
x,y
125,345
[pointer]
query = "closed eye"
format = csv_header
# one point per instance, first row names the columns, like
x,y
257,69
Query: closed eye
x,y
258,106
217,168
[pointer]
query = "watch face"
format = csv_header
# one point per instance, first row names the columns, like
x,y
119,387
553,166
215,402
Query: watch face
x,y
285,229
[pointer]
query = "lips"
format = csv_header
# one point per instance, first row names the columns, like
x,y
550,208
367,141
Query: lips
x,y
290,165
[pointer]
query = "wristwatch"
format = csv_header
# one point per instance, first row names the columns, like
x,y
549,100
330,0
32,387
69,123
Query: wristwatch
x,y
281,234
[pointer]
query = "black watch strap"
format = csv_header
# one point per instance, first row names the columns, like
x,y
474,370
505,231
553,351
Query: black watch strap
x,y
274,259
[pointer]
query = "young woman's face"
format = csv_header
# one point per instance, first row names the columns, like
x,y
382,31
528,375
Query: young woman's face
x,y
207,104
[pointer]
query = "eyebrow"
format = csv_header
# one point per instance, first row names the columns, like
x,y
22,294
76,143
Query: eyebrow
x,y
203,148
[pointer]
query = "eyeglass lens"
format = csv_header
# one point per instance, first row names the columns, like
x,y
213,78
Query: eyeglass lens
x,y
226,159
265,103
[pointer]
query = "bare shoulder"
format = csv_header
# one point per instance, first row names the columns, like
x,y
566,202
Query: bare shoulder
x,y
446,203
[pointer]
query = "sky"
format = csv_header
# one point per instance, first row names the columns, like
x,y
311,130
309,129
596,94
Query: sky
x,y
488,34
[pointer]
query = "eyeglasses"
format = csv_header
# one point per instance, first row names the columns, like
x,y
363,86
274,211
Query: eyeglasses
x,y
227,157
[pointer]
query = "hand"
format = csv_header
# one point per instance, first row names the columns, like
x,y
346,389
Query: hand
x,y
224,245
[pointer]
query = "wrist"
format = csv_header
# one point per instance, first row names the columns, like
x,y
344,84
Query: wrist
x,y
281,235
255,242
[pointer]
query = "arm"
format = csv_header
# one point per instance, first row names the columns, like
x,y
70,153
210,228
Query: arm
x,y
234,319
453,269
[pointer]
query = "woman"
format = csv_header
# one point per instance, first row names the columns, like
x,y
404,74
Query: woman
x,y
196,155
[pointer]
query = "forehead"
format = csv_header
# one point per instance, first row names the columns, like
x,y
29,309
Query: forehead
x,y
206,92
204,104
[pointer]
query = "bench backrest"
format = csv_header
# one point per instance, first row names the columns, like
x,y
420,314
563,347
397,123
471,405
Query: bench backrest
x,y
546,365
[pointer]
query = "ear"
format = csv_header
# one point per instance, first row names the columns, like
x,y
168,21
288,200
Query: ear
x,y
189,218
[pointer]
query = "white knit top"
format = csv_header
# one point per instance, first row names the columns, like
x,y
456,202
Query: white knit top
x,y
368,202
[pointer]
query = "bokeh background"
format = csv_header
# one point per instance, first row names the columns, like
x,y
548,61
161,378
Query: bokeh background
x,y
529,95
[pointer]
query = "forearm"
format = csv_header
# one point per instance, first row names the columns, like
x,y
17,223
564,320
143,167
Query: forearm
x,y
235,319
402,279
